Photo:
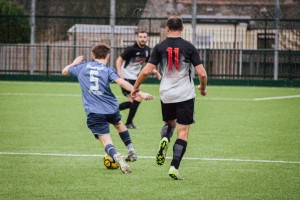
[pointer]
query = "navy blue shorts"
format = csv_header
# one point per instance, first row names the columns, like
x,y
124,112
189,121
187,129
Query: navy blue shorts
x,y
99,123
183,112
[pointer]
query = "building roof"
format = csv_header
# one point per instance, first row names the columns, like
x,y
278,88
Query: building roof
x,y
257,9
217,18
94,28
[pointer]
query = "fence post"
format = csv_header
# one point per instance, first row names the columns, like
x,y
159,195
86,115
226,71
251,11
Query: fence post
x,y
47,59
74,39
290,65
207,52
112,22
241,63
32,37
265,47
194,21
277,12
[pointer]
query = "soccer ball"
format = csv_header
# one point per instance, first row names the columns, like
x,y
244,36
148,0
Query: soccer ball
x,y
109,163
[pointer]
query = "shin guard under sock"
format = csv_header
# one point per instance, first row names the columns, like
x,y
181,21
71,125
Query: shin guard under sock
x,y
110,150
125,137
178,152
167,131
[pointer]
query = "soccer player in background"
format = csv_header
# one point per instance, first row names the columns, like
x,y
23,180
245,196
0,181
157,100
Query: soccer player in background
x,y
129,65
100,103
176,57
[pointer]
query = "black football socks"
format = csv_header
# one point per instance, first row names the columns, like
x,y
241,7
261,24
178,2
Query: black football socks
x,y
178,152
124,105
167,131
133,108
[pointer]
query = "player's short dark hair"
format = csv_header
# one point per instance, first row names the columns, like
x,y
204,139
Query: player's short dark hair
x,y
174,23
141,31
100,51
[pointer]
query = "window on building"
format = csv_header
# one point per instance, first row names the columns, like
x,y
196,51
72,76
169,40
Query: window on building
x,y
265,40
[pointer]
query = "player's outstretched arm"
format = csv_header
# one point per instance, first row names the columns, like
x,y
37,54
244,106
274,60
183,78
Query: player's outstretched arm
x,y
127,86
119,65
157,74
146,71
134,92
202,78
124,84
145,96
76,61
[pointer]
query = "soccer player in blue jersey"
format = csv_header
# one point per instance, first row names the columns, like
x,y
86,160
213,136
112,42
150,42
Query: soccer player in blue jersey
x,y
176,57
100,103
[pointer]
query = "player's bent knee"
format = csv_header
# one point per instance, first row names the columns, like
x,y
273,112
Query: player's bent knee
x,y
171,122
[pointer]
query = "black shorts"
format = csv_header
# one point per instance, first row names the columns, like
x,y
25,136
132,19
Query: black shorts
x,y
125,92
182,111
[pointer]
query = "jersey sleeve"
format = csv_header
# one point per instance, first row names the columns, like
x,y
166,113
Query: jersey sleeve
x,y
112,74
154,57
195,58
75,70
126,55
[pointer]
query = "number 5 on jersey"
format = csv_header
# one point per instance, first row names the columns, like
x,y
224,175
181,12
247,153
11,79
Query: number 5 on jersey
x,y
94,80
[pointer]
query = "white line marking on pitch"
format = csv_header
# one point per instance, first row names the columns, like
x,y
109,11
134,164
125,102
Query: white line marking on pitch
x,y
40,94
151,157
273,98
78,95
223,99
200,98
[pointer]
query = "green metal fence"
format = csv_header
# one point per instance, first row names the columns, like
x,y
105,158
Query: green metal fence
x,y
232,49
220,64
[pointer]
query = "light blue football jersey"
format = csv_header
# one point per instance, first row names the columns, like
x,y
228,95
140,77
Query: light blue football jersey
x,y
94,79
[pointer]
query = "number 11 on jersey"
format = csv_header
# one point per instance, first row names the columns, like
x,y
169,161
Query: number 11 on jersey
x,y
173,57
